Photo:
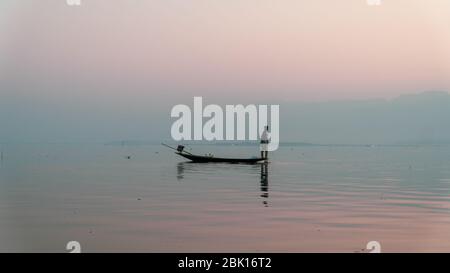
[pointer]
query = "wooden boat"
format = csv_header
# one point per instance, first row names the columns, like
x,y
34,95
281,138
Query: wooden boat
x,y
207,159
211,159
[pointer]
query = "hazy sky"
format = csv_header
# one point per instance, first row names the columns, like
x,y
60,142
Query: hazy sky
x,y
115,67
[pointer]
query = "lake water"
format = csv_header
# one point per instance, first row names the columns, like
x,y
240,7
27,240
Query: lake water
x,y
308,199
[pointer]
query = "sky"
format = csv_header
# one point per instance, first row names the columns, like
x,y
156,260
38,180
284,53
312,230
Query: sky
x,y
113,69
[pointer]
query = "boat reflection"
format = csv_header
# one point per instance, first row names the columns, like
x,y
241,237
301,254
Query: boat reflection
x,y
264,183
180,171
189,167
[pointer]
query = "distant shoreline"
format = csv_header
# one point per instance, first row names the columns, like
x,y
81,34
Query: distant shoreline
x,y
282,144
130,143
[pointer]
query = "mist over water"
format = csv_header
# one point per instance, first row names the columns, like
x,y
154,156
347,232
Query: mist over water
x,y
86,91
308,199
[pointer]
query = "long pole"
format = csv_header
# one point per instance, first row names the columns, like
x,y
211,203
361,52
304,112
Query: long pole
x,y
174,148
164,144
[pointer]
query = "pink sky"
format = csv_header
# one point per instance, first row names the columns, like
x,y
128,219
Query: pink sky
x,y
284,50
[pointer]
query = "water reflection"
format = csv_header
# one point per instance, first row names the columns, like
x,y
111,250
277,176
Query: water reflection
x,y
180,171
189,167
264,185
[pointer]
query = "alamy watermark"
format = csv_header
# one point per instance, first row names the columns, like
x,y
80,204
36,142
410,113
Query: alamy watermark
x,y
374,247
374,2
73,247
73,2
369,2
228,125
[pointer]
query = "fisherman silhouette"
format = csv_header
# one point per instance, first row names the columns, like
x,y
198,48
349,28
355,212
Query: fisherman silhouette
x,y
264,144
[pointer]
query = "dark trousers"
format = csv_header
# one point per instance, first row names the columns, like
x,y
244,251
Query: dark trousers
x,y
264,154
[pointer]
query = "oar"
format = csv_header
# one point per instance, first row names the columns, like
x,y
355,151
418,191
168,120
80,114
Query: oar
x,y
164,144
174,148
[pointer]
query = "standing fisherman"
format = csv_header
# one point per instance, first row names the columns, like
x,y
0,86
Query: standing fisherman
x,y
264,144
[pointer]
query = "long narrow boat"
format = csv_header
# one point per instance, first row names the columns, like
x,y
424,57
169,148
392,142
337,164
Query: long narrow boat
x,y
206,159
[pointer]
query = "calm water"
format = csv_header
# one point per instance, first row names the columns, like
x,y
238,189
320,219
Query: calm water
x,y
320,199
